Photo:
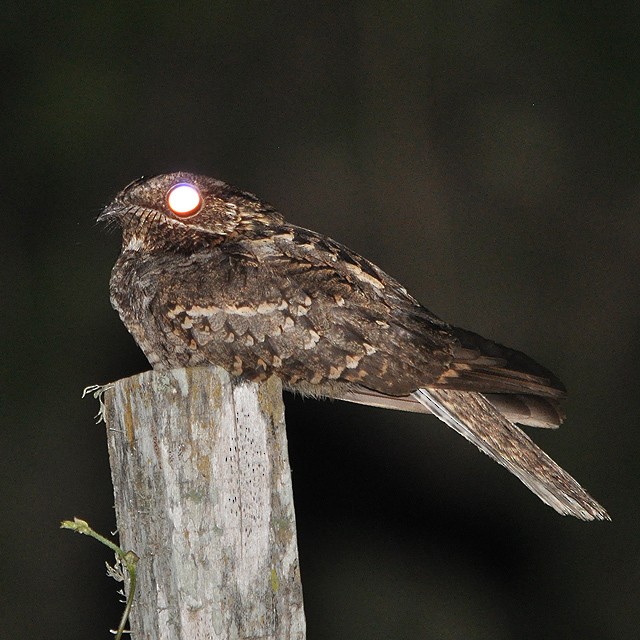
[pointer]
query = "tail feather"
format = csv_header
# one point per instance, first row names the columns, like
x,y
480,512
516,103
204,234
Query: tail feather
x,y
475,418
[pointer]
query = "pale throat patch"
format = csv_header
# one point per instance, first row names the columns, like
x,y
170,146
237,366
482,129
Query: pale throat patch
x,y
135,244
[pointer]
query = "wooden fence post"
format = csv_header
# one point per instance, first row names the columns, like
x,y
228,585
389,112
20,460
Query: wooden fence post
x,y
203,496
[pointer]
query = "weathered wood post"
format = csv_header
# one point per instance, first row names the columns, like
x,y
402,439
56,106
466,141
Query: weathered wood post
x,y
203,496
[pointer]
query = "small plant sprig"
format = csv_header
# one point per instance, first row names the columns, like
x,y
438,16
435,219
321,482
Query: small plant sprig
x,y
126,559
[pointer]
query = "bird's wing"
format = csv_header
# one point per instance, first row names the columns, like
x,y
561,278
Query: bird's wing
x,y
480,364
472,363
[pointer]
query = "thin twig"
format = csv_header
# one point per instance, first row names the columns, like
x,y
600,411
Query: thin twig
x,y
128,558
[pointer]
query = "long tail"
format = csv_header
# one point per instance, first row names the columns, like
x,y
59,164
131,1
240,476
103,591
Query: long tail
x,y
475,418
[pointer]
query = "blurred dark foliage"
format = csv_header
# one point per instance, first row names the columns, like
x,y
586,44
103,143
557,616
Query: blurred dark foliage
x,y
487,154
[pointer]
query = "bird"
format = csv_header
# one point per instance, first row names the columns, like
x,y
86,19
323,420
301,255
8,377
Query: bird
x,y
211,275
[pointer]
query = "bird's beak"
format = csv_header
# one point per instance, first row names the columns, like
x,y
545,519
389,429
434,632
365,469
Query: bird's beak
x,y
111,212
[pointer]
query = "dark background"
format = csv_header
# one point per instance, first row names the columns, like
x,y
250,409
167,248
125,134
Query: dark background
x,y
486,154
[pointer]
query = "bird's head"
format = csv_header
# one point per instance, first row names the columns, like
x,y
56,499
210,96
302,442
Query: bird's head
x,y
179,208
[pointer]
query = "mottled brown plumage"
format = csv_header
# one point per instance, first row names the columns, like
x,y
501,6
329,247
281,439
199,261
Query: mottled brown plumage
x,y
234,285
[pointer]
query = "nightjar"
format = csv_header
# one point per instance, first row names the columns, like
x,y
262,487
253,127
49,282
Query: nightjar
x,y
212,275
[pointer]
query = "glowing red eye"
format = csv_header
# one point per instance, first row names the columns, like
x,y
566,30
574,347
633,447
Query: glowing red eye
x,y
184,200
